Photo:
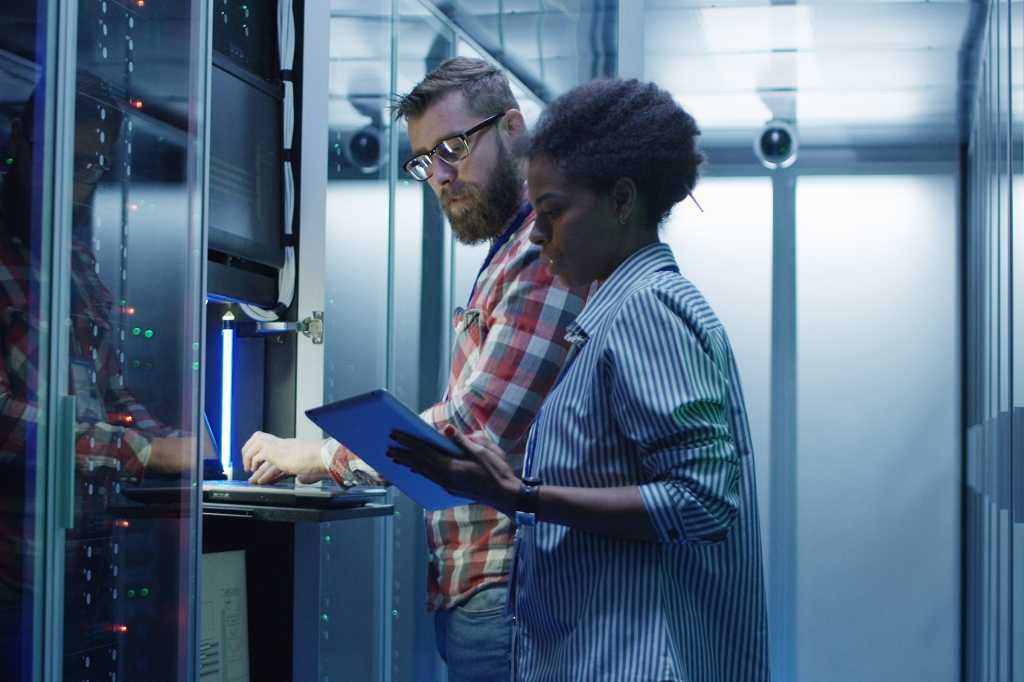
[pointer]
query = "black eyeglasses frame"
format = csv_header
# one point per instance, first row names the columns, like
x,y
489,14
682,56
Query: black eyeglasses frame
x,y
463,137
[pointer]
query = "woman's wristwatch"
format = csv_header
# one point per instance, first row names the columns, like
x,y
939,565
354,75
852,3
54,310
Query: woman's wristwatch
x,y
526,501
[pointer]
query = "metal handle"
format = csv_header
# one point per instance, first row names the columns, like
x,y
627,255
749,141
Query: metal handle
x,y
65,464
311,327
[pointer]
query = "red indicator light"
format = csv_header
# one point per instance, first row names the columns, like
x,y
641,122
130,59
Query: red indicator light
x,y
121,523
121,629
137,103
141,3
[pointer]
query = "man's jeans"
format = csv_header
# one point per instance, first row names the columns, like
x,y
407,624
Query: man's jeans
x,y
475,638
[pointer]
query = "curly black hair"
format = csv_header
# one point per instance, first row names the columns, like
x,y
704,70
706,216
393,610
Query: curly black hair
x,y
605,130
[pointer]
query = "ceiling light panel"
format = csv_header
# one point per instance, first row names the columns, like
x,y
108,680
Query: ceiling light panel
x,y
756,29
889,107
832,26
698,4
842,71
732,110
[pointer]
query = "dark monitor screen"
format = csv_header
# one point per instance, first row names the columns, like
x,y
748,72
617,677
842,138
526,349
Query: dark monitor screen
x,y
246,210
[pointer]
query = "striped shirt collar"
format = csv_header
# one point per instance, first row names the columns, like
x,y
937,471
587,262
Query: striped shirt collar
x,y
647,260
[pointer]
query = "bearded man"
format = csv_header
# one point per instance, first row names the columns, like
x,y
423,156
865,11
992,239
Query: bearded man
x,y
465,128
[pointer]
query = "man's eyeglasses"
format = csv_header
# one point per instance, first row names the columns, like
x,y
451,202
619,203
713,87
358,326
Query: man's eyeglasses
x,y
451,150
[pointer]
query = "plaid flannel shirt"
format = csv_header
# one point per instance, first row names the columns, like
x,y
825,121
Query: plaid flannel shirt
x,y
508,348
112,429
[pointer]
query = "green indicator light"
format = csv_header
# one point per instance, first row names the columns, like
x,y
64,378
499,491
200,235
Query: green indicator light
x,y
9,161
148,334
136,331
131,594
144,592
124,301
324,617
327,538
195,346
195,365
136,364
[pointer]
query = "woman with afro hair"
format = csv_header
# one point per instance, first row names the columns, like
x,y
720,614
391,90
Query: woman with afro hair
x,y
639,552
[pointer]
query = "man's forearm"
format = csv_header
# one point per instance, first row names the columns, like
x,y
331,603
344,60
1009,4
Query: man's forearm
x,y
345,467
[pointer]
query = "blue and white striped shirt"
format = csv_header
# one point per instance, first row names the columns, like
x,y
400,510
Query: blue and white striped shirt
x,y
651,398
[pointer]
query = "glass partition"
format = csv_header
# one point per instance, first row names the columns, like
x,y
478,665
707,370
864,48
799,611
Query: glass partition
x,y
352,611
132,339
548,47
357,196
1015,53
26,149
420,325
994,492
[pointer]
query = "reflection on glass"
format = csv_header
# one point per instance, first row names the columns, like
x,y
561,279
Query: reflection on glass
x,y
132,342
549,47
23,341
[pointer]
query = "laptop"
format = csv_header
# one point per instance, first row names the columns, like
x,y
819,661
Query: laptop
x,y
156,489
287,495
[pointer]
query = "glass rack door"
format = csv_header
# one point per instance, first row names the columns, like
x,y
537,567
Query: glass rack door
x,y
26,190
130,290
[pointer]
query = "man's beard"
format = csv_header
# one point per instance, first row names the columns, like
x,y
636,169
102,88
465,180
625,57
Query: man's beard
x,y
482,215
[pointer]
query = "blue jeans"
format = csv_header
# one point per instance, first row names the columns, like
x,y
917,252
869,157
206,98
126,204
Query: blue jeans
x,y
475,637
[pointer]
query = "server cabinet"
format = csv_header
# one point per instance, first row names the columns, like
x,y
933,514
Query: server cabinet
x,y
27,36
131,339
112,275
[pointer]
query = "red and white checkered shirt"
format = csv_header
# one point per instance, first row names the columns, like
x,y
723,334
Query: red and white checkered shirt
x,y
509,346
112,429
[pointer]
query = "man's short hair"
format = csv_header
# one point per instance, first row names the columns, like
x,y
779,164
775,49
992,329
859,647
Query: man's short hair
x,y
484,86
